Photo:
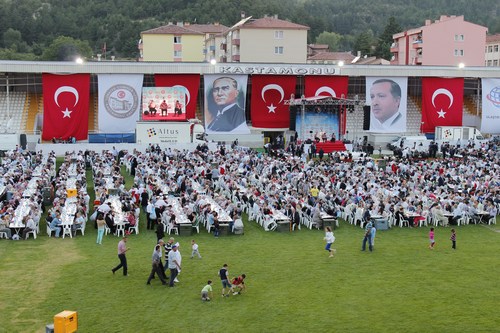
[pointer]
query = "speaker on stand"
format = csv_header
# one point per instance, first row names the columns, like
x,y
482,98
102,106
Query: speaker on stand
x,y
293,117
366,117
23,140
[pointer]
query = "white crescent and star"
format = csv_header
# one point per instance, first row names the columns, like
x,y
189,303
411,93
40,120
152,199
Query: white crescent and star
x,y
325,89
188,95
272,86
71,90
442,91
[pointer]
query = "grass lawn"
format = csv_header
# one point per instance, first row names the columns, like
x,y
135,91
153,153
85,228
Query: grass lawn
x,y
292,285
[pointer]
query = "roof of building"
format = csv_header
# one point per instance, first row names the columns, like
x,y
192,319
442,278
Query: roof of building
x,y
318,46
272,23
172,29
344,56
207,28
492,38
372,61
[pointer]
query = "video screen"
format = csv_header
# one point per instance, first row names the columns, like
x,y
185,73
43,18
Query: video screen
x,y
163,104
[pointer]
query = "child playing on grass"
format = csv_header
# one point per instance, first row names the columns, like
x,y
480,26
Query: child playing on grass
x,y
238,284
329,238
194,247
453,239
207,292
431,239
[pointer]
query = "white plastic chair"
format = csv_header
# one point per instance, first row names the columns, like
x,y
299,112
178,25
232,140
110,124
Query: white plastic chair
x,y
33,232
135,228
67,231
172,228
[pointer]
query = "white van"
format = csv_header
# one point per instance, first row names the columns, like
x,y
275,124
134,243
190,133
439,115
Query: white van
x,y
418,142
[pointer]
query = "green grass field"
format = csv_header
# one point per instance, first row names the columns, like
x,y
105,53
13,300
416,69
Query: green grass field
x,y
292,285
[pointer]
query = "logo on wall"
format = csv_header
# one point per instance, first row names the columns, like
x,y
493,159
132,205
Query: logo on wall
x,y
68,89
151,132
494,96
442,91
276,87
121,101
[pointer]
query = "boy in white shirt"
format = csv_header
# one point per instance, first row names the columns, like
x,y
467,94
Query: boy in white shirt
x,y
194,248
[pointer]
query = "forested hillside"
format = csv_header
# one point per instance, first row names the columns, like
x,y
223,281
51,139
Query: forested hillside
x,y
55,29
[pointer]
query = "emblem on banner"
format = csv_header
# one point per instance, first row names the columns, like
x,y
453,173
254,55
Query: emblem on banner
x,y
121,101
494,96
151,132
442,91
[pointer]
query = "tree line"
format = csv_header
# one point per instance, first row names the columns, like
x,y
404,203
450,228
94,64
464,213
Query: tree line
x,y
64,29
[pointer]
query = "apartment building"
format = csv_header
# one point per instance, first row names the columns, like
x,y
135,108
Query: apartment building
x,y
449,41
492,52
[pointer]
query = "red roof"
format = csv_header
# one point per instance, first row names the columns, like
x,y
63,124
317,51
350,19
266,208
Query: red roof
x,y
492,38
272,23
172,29
207,28
345,56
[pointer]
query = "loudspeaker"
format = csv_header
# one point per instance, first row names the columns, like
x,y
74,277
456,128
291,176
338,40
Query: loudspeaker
x,y
293,117
23,140
366,118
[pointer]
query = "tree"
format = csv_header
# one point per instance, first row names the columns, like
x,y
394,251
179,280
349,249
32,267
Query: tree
x,y
364,42
66,49
383,49
332,39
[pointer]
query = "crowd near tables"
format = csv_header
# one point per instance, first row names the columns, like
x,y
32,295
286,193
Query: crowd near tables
x,y
180,189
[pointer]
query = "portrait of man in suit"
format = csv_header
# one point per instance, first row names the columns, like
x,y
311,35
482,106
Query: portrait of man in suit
x,y
224,109
386,98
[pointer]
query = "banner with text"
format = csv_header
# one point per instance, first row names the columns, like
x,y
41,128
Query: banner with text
x,y
119,102
490,122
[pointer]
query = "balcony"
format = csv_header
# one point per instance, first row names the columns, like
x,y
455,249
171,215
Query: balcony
x,y
236,41
223,46
418,44
394,47
235,58
212,48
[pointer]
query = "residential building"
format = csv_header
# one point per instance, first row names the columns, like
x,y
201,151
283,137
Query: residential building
x,y
491,50
265,40
213,37
182,42
448,41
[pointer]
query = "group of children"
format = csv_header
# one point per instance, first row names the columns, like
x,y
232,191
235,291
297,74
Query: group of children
x,y
236,286
453,239
330,238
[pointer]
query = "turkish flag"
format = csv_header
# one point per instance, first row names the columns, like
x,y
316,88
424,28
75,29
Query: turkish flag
x,y
442,102
269,93
65,106
189,81
326,85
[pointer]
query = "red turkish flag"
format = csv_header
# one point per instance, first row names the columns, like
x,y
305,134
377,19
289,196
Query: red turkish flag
x,y
326,85
66,106
269,93
442,102
189,81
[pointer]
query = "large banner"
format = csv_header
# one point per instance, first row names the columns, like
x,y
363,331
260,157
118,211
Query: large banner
x,y
387,97
119,102
163,103
442,102
317,123
490,122
269,93
225,99
190,82
66,106
323,85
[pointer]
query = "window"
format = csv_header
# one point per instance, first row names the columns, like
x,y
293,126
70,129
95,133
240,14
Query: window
x,y
495,48
278,34
459,38
489,63
459,53
278,50
177,39
490,49
495,63
177,54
